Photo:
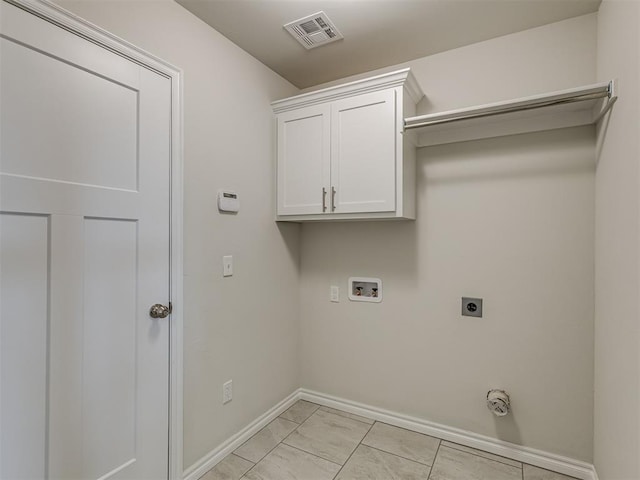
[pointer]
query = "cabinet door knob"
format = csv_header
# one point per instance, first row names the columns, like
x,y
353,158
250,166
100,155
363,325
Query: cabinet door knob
x,y
333,199
324,199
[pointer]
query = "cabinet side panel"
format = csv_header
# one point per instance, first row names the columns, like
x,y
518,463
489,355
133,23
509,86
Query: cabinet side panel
x,y
406,167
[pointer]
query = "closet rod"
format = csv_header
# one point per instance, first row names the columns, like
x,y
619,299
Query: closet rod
x,y
590,93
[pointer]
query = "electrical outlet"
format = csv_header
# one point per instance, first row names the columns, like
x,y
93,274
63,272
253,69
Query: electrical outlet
x,y
227,391
471,307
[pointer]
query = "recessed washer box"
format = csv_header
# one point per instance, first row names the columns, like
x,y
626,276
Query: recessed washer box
x,y
365,289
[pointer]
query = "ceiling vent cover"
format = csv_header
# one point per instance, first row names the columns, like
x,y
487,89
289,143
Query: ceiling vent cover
x,y
314,30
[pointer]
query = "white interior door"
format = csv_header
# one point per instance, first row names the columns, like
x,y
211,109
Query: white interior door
x,y
84,253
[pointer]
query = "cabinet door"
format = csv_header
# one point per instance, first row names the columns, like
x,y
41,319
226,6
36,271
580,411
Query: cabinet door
x,y
304,151
363,157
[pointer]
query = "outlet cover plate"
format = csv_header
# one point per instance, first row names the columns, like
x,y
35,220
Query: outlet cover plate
x,y
471,307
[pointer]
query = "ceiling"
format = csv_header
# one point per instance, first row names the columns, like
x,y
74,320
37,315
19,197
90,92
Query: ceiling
x,y
377,33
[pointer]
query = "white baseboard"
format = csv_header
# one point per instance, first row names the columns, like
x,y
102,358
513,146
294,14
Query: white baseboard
x,y
210,460
538,458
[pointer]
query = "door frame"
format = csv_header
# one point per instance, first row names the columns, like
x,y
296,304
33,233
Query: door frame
x,y
57,15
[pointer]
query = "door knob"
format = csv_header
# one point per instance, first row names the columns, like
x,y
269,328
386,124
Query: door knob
x,y
159,311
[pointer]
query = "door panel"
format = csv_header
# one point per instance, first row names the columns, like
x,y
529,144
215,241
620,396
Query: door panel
x,y
84,196
303,160
43,125
24,277
363,158
110,344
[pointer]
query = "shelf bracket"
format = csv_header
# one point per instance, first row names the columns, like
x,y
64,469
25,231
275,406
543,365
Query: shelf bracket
x,y
613,97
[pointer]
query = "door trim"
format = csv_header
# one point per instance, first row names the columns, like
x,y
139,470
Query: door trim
x,y
58,16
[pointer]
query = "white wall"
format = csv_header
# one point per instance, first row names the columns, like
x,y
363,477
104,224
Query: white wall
x,y
510,220
617,327
244,327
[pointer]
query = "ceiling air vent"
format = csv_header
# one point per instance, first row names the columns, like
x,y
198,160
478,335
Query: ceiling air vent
x,y
314,30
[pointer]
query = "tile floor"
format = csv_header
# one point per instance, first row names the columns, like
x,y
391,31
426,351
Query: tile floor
x,y
310,442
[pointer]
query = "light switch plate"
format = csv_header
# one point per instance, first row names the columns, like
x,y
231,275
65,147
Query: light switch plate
x,y
227,391
335,293
227,266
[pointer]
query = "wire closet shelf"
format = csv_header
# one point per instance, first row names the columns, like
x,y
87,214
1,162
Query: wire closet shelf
x,y
596,99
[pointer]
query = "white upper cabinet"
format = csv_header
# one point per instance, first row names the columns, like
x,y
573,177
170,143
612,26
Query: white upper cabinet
x,y
342,154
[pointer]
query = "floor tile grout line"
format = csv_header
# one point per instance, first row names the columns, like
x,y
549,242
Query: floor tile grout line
x,y
434,459
287,419
354,450
482,456
409,430
312,454
247,441
299,423
441,440
245,473
399,456
441,443
346,416
283,441
256,434
248,469
291,433
262,458
265,455
329,413
238,455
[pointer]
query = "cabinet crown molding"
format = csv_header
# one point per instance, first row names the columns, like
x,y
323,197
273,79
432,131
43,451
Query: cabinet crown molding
x,y
397,78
